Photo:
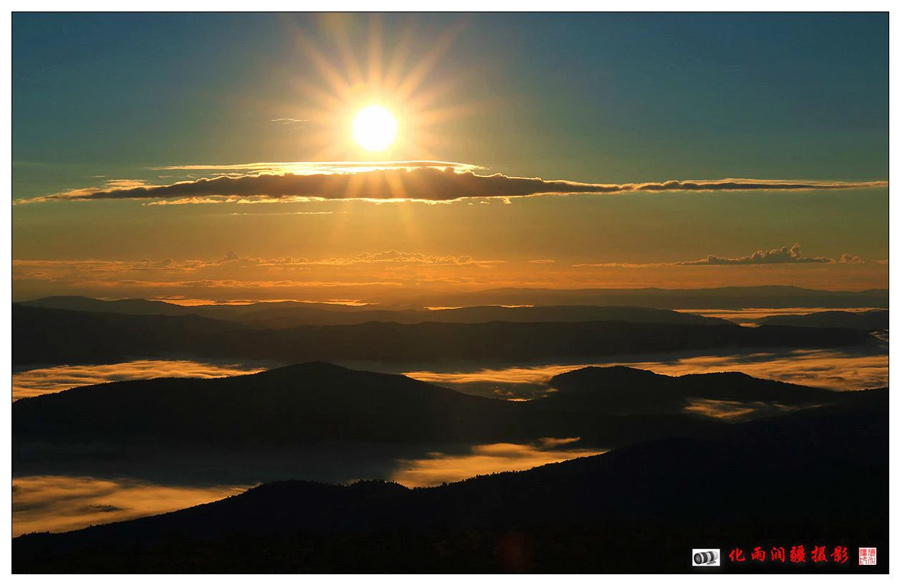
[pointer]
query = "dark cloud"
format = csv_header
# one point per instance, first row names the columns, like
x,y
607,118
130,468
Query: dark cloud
x,y
422,184
783,255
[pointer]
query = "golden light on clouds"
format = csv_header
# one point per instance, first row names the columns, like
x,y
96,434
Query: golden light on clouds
x,y
57,503
58,378
438,468
821,368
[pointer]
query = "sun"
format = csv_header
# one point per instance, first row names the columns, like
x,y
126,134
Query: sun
x,y
374,128
364,96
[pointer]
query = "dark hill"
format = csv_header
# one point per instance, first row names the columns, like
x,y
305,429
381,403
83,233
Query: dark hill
x,y
281,406
625,390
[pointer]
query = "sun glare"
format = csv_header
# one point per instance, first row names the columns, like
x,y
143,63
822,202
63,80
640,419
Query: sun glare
x,y
374,128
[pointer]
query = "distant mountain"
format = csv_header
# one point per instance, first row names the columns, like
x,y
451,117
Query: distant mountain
x,y
52,336
876,320
224,311
318,401
292,314
814,478
709,298
483,306
289,317
122,306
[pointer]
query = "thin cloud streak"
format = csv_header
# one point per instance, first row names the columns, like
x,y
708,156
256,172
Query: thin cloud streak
x,y
429,184
751,316
289,121
59,268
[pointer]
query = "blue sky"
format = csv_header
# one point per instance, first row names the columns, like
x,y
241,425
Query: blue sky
x,y
592,97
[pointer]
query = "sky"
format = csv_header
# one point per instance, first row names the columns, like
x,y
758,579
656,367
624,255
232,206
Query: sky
x,y
212,156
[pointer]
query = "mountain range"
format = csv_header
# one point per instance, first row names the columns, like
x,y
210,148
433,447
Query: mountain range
x,y
55,336
278,315
818,477
319,401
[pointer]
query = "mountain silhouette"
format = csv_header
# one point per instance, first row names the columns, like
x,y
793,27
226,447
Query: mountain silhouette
x,y
54,336
623,390
816,477
281,406
319,401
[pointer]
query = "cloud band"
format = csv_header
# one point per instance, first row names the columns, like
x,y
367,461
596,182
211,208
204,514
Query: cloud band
x,y
416,184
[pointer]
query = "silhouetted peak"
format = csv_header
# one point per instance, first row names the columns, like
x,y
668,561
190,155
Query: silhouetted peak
x,y
316,368
721,376
375,487
326,372
289,489
600,375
